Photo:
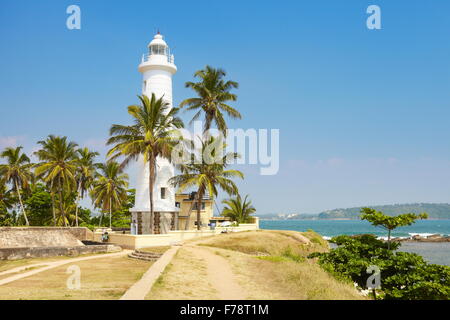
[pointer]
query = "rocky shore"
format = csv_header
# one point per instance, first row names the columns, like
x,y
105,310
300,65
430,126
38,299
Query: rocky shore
x,y
430,238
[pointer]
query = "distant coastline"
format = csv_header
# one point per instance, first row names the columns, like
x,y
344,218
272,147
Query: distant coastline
x,y
435,211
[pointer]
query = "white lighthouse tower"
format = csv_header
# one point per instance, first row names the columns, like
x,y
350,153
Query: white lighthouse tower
x,y
157,68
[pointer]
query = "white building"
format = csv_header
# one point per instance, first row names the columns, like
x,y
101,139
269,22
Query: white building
x,y
157,68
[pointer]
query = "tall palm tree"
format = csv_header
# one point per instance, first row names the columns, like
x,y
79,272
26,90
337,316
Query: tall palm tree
x,y
213,93
110,188
85,174
17,171
207,173
58,167
238,209
154,134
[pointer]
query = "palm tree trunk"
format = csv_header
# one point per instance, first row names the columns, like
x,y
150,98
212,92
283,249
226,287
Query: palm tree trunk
x,y
199,208
52,194
110,213
76,205
61,206
21,204
188,219
151,182
100,223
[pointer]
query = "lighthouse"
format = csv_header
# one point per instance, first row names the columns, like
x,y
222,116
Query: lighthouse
x,y
157,68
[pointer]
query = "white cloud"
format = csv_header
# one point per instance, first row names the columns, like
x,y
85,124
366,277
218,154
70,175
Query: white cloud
x,y
11,141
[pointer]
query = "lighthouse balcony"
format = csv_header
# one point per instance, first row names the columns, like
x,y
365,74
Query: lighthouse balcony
x,y
166,57
158,62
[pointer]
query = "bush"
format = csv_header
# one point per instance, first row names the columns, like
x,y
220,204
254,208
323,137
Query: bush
x,y
403,275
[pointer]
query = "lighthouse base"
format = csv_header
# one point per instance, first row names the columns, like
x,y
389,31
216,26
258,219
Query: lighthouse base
x,y
163,222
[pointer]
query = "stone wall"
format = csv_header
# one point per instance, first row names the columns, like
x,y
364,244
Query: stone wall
x,y
20,237
37,252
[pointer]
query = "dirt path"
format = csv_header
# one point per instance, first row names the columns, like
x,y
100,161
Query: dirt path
x,y
50,265
140,289
220,274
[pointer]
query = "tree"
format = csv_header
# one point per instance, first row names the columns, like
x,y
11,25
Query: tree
x,y
17,171
378,218
154,134
6,203
58,167
6,197
110,188
207,173
404,275
122,216
213,93
39,204
238,210
85,174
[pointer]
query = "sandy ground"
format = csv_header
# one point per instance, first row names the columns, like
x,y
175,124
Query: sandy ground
x,y
219,274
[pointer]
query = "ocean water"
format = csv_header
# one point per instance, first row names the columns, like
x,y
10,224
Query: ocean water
x,y
438,253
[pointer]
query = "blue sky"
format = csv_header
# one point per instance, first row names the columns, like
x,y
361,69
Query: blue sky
x,y
363,114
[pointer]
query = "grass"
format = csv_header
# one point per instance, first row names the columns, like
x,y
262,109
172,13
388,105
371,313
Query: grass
x,y
10,264
101,279
268,242
266,264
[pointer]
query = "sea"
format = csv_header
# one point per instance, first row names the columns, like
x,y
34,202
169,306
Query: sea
x,y
433,252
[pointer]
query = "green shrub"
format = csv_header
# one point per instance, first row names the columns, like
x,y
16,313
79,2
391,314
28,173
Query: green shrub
x,y
403,275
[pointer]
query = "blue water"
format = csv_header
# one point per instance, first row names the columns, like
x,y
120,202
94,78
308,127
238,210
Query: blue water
x,y
438,253
331,228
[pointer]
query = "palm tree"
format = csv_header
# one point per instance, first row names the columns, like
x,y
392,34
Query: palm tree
x,y
110,188
58,168
66,216
17,171
6,199
238,210
154,134
213,94
207,175
85,174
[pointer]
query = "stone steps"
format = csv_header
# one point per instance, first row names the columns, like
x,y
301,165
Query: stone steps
x,y
146,256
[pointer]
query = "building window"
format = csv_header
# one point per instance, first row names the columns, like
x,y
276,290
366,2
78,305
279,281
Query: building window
x,y
163,193
177,204
144,86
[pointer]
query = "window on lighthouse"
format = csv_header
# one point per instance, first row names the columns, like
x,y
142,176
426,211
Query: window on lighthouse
x,y
163,193
158,49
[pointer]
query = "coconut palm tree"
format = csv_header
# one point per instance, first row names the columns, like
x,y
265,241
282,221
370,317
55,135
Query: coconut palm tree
x,y
207,173
58,168
213,94
110,188
17,171
154,134
238,210
85,174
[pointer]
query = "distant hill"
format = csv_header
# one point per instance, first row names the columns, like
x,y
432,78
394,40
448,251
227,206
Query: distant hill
x,y
434,210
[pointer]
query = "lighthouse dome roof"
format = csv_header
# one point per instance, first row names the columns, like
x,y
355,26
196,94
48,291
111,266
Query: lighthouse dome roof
x,y
158,40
